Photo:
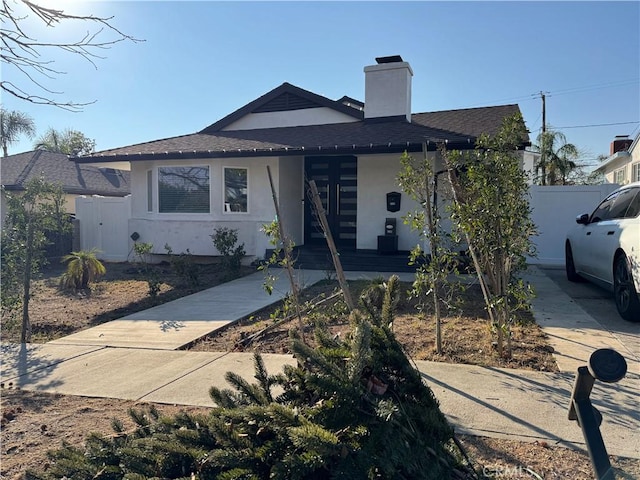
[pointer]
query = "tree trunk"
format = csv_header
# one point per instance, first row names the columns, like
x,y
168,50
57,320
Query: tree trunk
x,y
344,286
25,332
436,305
434,246
289,262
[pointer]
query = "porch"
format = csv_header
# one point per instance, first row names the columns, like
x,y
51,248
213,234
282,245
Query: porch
x,y
354,260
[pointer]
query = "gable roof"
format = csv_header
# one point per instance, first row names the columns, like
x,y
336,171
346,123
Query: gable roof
x,y
17,170
283,98
459,128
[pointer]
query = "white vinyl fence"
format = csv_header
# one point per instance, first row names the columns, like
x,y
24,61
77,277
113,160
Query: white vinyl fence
x,y
555,209
104,225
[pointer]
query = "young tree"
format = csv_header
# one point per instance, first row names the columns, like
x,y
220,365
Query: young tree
x,y
418,179
69,142
557,158
492,209
24,46
30,215
12,125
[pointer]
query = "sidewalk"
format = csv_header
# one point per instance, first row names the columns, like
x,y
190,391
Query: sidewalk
x,y
139,361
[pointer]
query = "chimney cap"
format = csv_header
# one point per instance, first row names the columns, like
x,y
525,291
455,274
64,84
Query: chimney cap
x,y
390,59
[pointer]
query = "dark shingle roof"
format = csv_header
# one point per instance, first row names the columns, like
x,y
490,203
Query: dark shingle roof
x,y
459,128
469,121
76,179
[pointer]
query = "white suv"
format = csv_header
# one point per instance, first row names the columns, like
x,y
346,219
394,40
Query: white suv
x,y
605,248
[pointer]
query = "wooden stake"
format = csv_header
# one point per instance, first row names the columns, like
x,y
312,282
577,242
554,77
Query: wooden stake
x,y
332,246
287,256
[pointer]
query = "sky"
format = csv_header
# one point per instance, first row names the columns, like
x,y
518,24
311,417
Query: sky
x,y
202,60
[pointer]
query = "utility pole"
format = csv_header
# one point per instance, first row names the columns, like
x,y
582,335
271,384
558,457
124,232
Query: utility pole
x,y
543,162
544,113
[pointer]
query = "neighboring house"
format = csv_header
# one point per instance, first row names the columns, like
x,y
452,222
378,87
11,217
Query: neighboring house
x,y
75,179
623,164
184,187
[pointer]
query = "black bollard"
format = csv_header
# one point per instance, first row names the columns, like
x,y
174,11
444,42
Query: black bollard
x,y
608,366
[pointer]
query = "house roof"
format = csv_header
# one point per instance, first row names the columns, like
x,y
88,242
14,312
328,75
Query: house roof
x,y
459,128
283,98
615,158
17,170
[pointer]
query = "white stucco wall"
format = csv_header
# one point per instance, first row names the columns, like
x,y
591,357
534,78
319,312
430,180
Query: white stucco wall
x,y
192,230
388,90
291,194
616,162
291,118
376,177
529,160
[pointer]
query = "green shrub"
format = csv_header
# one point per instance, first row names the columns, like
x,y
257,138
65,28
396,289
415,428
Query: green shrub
x,y
83,268
226,242
143,251
184,267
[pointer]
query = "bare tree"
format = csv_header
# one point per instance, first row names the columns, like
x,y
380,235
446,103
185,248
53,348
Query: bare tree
x,y
22,51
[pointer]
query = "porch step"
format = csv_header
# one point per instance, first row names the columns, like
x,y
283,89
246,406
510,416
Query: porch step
x,y
351,260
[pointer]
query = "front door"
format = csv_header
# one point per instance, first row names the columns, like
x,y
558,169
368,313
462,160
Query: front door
x,y
337,182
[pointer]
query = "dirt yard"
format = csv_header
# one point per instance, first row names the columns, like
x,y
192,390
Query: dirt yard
x,y
33,422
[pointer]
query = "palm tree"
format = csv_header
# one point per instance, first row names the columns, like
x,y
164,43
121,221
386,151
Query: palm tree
x,y
83,267
557,157
12,125
69,142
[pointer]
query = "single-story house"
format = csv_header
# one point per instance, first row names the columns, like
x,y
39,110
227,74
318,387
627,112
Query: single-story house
x,y
184,187
76,179
622,166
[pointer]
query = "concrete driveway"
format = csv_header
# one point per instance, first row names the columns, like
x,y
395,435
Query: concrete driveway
x,y
600,305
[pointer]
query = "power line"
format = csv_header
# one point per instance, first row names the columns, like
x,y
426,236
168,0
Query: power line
x,y
598,125
601,86
620,83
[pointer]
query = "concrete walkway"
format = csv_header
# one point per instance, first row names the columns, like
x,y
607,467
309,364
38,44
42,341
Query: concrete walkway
x,y
137,358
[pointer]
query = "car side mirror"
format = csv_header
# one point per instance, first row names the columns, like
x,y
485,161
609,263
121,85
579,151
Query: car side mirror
x,y
582,219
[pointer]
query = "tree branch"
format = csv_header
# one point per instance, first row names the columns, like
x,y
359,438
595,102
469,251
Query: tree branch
x,y
22,51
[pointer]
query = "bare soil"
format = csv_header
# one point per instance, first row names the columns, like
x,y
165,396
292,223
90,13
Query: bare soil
x,y
34,422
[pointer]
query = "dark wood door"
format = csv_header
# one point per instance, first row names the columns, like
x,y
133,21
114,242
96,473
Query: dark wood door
x,y
337,182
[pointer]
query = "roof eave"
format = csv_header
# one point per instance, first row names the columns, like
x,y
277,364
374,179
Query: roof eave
x,y
432,145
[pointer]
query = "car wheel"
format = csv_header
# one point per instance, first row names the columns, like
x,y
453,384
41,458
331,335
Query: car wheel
x,y
570,267
624,290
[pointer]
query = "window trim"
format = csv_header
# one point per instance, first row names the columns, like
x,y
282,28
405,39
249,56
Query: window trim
x,y
157,184
635,171
150,191
225,211
623,172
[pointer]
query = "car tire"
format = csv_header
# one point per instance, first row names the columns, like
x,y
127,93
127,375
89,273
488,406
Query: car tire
x,y
624,290
570,267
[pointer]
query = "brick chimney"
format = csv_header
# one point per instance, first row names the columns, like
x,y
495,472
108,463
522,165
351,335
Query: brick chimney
x,y
620,144
387,88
